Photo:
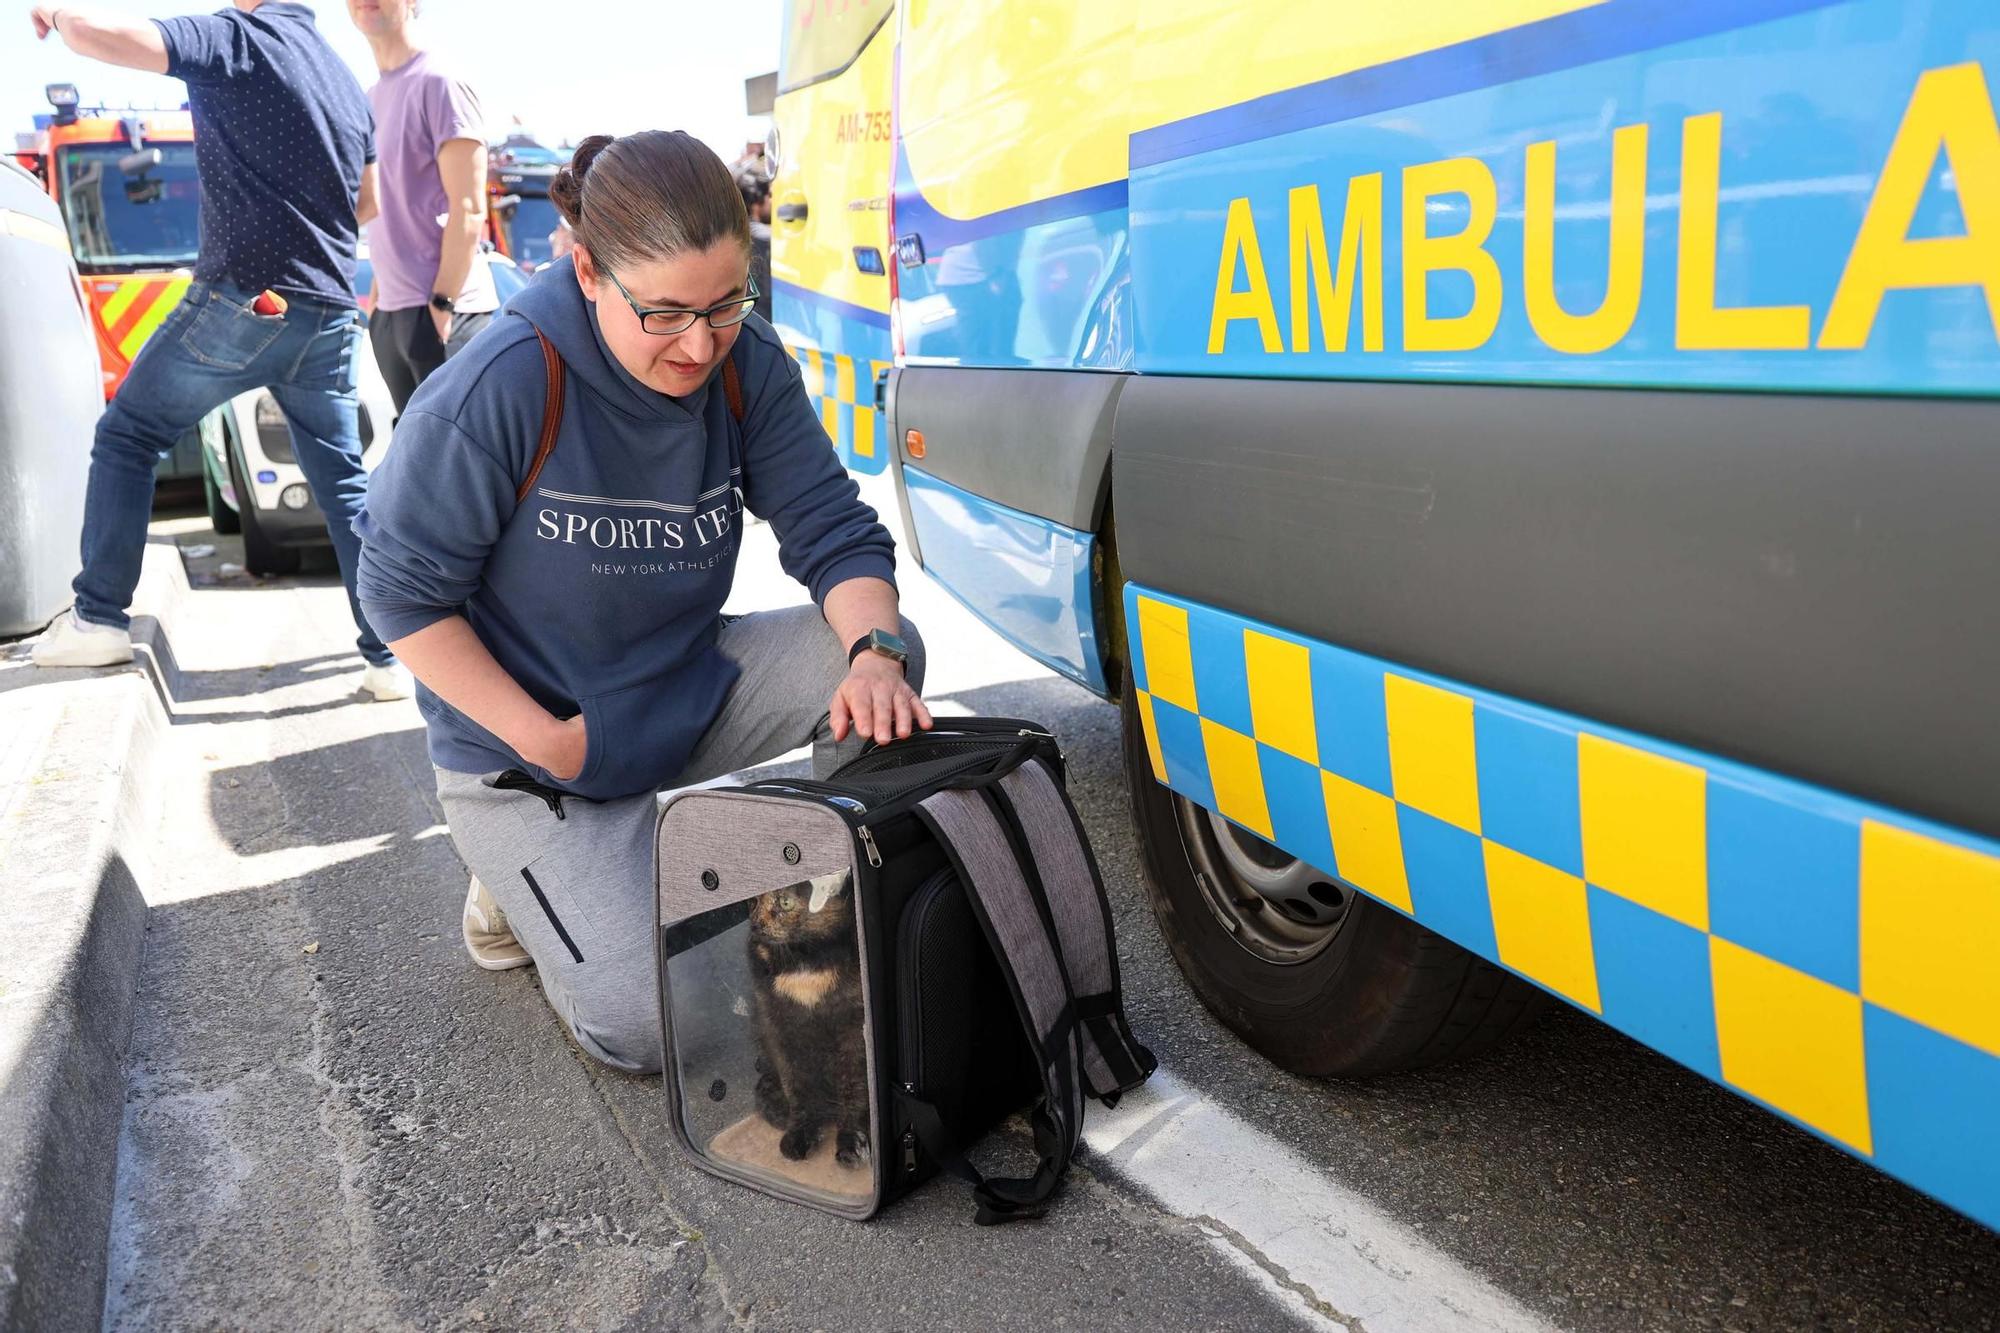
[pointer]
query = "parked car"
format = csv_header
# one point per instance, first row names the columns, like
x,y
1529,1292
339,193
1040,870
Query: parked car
x,y
50,397
247,448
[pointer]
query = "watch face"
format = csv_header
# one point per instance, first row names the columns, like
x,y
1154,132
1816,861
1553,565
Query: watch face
x,y
887,642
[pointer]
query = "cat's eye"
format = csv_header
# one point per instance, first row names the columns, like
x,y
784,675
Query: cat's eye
x,y
786,902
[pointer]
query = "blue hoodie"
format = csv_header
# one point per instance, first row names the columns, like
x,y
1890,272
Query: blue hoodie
x,y
601,592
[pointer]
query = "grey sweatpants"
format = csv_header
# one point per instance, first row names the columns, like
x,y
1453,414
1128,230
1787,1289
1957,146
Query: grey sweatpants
x,y
591,926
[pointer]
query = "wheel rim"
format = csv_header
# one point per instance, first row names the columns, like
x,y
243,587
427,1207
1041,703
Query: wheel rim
x,y
1272,904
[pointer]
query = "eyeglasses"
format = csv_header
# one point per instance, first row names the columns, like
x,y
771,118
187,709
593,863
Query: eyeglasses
x,y
671,320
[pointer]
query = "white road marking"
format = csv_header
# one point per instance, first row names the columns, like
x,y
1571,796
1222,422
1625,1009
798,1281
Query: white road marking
x,y
1318,1245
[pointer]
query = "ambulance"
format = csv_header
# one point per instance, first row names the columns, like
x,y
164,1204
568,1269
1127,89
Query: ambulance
x,y
1527,471
830,156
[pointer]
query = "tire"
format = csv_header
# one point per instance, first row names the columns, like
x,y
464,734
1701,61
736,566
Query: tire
x,y
221,517
261,556
1364,991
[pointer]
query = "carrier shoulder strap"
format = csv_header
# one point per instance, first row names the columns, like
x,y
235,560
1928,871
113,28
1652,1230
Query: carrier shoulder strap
x,y
976,841
552,406
1114,1062
1021,854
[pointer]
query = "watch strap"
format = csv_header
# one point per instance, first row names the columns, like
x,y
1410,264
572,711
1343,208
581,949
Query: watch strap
x,y
866,642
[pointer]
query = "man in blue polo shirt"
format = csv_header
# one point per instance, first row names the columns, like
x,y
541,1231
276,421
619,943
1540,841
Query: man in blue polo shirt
x,y
285,152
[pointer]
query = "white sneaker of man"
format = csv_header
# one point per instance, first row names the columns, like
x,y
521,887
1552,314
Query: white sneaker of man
x,y
389,682
488,937
69,642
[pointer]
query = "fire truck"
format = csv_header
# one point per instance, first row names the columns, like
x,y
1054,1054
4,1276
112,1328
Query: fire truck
x,y
125,182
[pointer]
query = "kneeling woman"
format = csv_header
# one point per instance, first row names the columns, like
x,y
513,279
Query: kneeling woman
x,y
549,543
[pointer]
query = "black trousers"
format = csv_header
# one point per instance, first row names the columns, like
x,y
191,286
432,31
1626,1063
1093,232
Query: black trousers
x,y
408,349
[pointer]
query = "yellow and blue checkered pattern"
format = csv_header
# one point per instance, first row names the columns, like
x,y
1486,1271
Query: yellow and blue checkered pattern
x,y
843,388
1832,959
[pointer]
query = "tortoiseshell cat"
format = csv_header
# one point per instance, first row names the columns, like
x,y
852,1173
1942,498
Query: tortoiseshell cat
x,y
806,972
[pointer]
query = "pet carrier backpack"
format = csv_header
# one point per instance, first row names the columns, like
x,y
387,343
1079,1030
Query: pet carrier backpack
x,y
860,976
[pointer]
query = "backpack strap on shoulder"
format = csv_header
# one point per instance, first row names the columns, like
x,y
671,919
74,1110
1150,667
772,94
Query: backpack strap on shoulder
x,y
552,414
732,386
552,408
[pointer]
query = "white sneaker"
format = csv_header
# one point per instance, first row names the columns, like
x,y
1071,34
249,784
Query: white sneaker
x,y
488,938
389,682
69,642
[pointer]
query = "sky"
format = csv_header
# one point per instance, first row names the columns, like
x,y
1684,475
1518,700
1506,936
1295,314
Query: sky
x,y
566,68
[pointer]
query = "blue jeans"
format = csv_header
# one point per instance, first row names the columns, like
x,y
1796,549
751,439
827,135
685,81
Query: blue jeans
x,y
211,348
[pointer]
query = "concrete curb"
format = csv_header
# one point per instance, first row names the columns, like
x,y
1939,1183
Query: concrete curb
x,y
79,808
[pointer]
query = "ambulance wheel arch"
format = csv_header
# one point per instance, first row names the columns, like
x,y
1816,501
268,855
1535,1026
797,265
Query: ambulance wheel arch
x,y
1359,991
1318,978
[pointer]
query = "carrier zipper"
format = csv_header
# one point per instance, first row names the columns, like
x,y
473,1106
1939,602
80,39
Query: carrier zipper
x,y
809,787
950,738
805,789
909,1017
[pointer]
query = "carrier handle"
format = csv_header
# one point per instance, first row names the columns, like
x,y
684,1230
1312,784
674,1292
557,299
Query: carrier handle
x,y
1015,757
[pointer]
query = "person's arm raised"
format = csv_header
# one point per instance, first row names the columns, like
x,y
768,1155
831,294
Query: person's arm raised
x,y
112,38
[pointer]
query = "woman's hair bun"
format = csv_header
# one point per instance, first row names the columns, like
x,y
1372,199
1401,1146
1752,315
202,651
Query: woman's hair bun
x,y
653,195
566,190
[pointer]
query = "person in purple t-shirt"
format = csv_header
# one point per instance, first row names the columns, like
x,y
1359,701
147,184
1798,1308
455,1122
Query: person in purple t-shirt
x,y
433,291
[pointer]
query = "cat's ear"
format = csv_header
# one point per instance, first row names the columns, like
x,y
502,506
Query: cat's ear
x,y
824,887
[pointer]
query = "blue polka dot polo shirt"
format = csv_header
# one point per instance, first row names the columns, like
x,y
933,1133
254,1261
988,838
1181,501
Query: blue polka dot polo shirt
x,y
281,133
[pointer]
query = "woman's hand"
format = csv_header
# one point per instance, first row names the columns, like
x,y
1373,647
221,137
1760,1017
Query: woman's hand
x,y
875,700
561,748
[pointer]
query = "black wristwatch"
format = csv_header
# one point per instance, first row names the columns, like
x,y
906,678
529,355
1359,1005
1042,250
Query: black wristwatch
x,y
443,303
883,642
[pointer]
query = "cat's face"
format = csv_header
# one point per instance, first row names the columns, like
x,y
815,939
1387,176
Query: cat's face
x,y
809,910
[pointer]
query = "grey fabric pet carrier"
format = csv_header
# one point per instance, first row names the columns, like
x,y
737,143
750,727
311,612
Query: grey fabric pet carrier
x,y
860,976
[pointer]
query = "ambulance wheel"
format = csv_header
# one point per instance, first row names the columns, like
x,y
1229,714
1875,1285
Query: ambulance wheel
x,y
1320,979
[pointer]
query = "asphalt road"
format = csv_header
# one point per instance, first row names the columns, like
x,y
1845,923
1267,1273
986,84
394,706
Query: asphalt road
x,y
335,1120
